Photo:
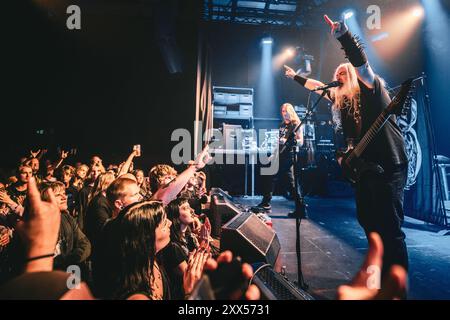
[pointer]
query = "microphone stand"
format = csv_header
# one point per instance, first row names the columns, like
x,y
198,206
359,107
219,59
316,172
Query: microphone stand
x,y
300,206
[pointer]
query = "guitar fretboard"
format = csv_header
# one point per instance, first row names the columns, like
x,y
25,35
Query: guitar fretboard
x,y
396,103
370,134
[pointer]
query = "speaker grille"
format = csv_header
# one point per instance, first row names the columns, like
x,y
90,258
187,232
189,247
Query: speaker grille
x,y
238,220
249,237
257,233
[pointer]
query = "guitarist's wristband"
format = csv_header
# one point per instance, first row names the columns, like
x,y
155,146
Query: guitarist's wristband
x,y
300,79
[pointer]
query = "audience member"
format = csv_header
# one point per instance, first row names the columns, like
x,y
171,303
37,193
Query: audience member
x,y
72,247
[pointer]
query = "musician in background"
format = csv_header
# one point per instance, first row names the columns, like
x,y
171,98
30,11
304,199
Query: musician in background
x,y
286,163
359,100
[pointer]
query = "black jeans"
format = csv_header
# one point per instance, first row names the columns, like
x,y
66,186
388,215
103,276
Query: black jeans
x,y
285,171
379,204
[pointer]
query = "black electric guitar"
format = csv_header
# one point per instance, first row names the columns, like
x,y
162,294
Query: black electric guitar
x,y
350,160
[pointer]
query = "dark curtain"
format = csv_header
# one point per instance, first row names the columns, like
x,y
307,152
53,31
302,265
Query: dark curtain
x,y
423,200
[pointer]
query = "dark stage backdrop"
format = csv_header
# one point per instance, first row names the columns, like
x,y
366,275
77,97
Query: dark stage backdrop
x,y
423,197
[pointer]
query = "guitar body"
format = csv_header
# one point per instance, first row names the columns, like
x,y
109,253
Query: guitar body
x,y
353,167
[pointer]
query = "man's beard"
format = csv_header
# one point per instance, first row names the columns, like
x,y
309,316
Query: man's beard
x,y
344,89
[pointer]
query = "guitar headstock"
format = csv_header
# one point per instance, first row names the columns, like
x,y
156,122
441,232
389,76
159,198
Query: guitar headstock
x,y
397,103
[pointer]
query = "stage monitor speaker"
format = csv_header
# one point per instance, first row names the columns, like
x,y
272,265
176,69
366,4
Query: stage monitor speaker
x,y
250,238
222,210
223,193
273,286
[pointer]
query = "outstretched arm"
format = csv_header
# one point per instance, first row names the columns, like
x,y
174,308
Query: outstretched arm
x,y
169,192
63,155
308,83
354,51
126,166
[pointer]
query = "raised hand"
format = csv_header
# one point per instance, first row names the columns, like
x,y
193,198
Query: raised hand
x,y
5,198
136,150
64,154
194,270
289,72
337,28
366,284
34,154
196,224
203,235
252,292
40,231
202,159
4,237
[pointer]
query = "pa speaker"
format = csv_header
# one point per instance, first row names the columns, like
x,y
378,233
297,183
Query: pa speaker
x,y
250,238
222,210
221,193
274,286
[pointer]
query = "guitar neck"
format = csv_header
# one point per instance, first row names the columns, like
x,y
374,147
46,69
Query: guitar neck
x,y
394,107
371,133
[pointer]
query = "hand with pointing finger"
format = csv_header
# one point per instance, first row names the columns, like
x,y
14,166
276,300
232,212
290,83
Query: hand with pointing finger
x,y
289,72
338,28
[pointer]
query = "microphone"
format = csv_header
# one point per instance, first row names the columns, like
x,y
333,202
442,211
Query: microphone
x,y
328,86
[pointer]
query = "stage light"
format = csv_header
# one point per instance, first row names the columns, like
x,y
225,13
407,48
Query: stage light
x,y
282,57
290,52
401,27
348,14
267,40
379,37
418,11
437,63
265,92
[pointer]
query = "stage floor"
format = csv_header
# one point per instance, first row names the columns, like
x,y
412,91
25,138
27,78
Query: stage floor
x,y
333,247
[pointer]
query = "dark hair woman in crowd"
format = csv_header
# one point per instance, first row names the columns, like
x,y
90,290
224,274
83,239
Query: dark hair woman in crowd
x,y
182,216
130,245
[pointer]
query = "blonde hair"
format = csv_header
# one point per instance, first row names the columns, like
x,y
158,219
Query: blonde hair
x,y
291,112
101,184
56,187
349,90
83,166
157,174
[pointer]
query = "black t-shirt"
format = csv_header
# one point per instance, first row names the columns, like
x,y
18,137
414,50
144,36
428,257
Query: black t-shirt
x,y
16,195
285,131
98,212
73,245
82,203
387,148
170,258
72,195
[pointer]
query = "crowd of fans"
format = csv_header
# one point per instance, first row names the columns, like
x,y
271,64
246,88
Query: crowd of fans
x,y
131,236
